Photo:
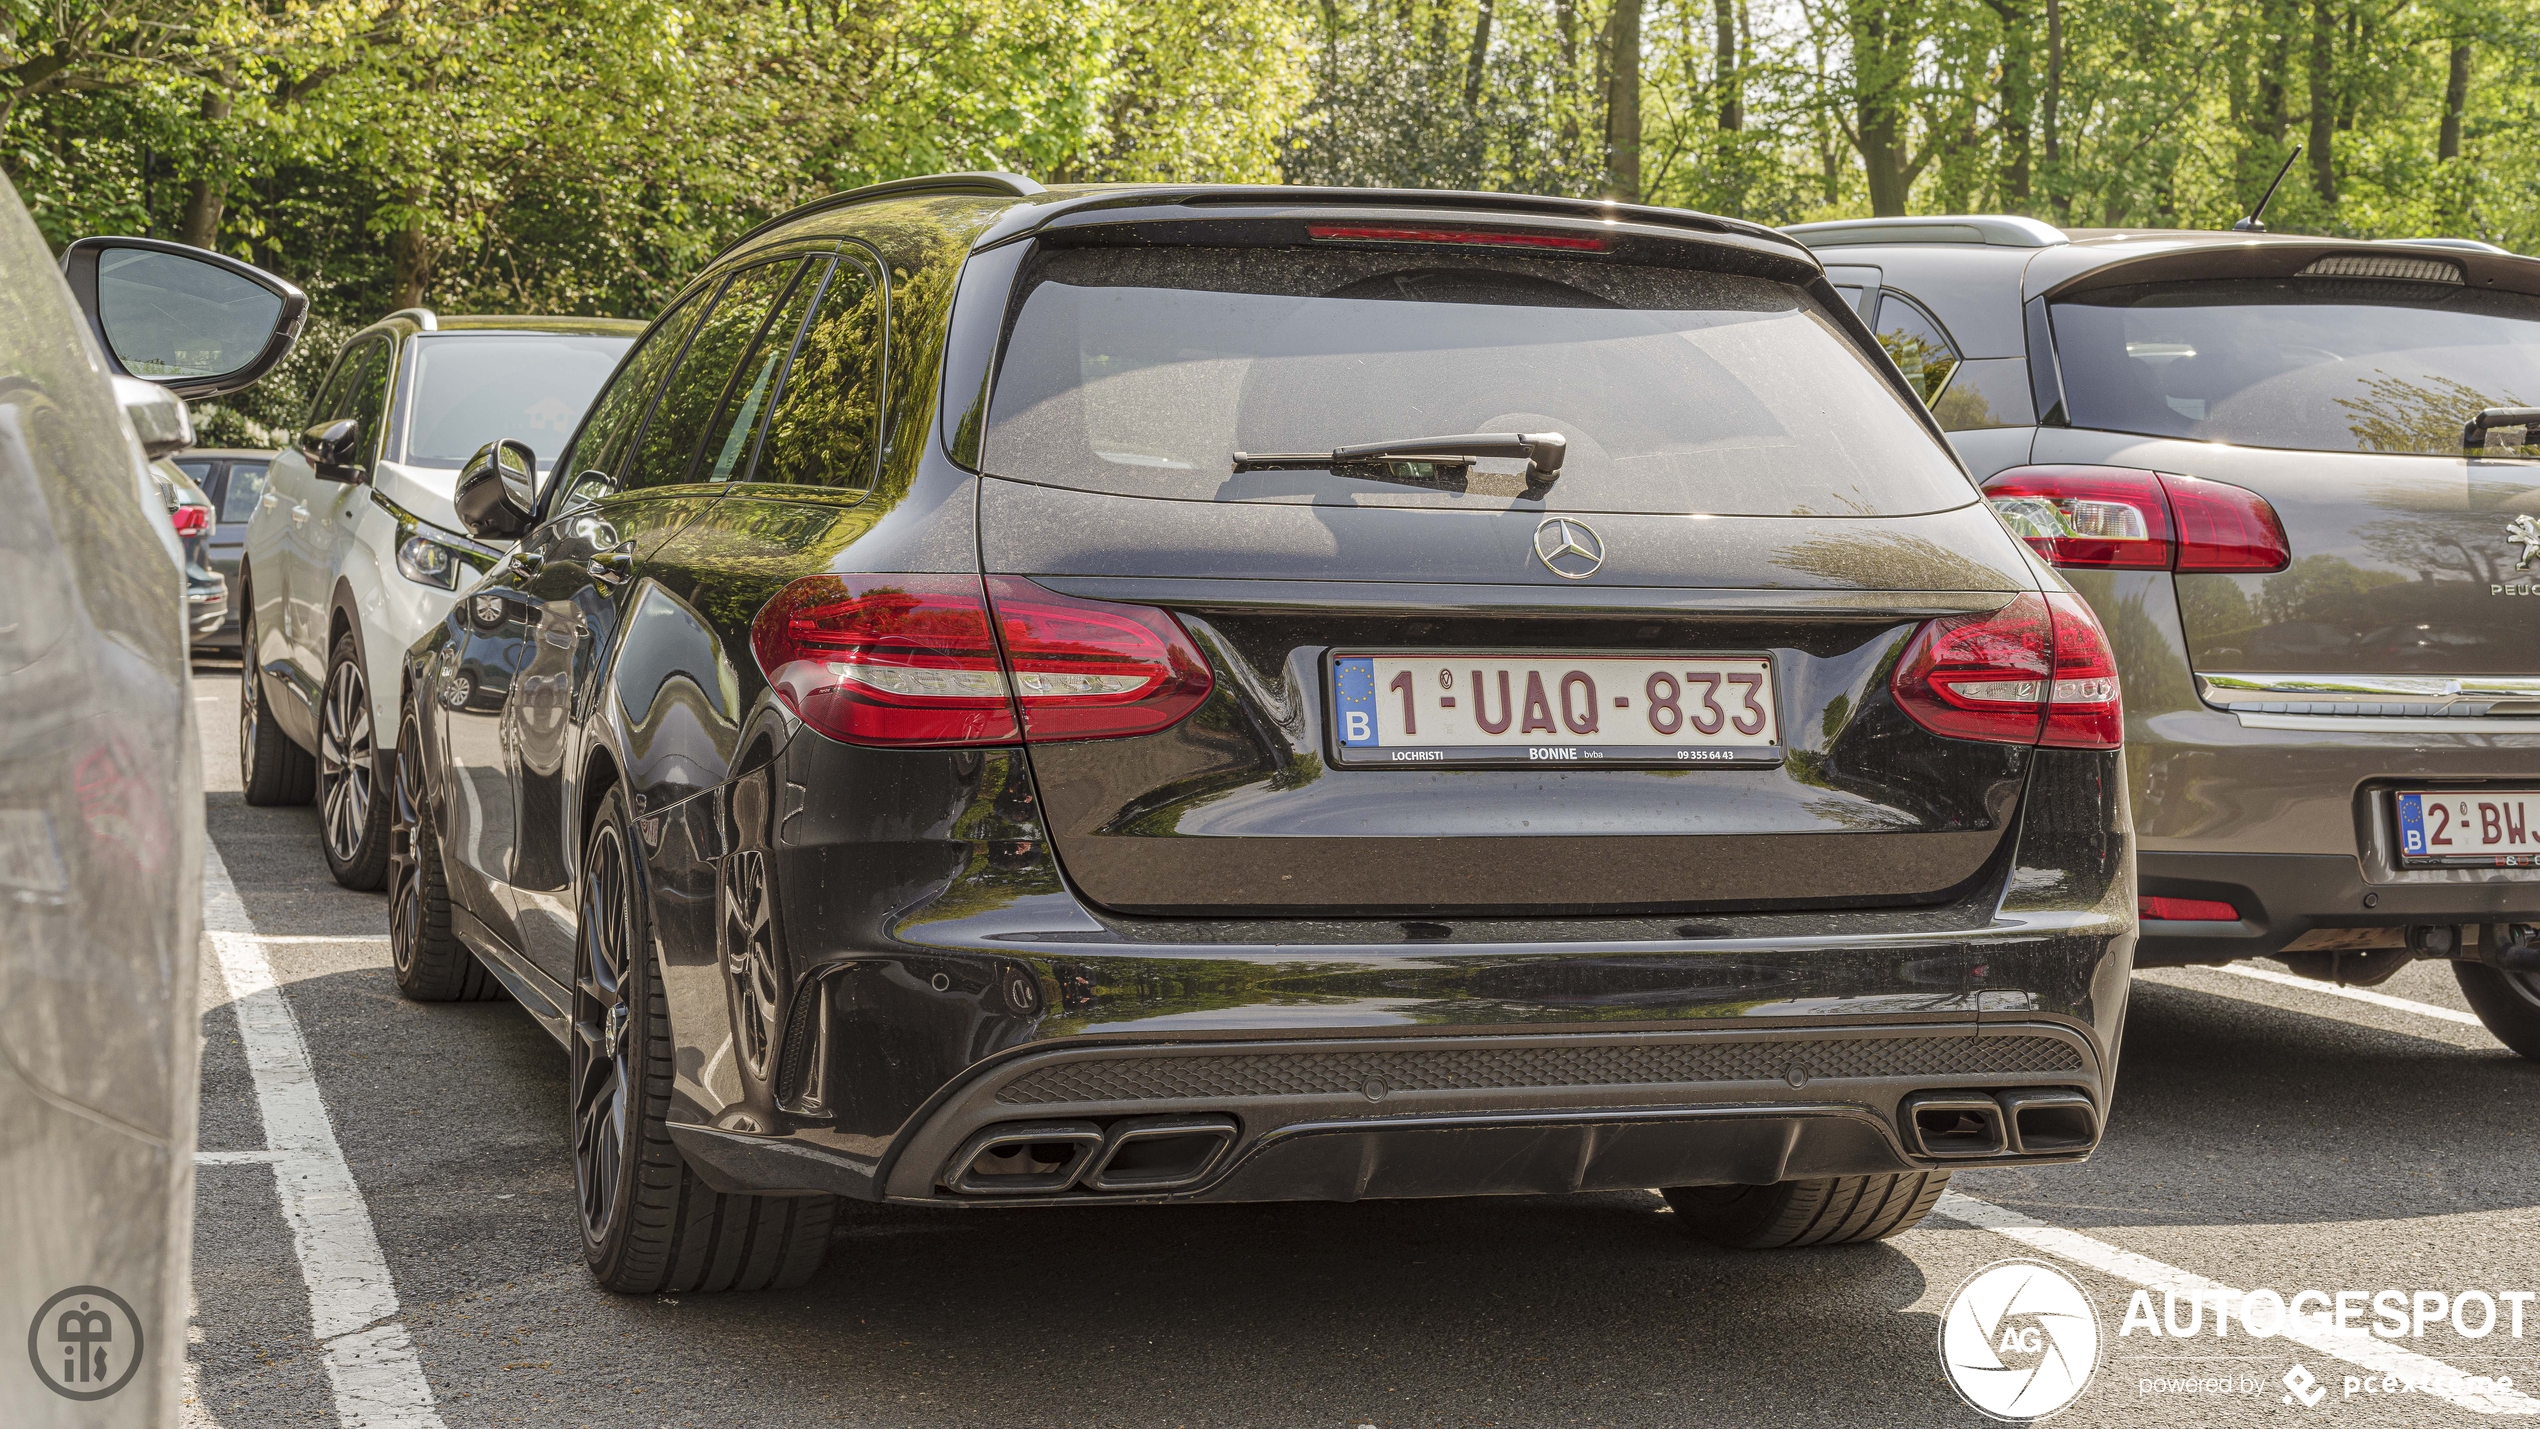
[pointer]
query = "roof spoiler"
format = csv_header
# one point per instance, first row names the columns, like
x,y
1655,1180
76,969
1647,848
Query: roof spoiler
x,y
1994,230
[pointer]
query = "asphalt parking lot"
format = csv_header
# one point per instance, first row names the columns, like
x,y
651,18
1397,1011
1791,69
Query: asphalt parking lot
x,y
2263,1136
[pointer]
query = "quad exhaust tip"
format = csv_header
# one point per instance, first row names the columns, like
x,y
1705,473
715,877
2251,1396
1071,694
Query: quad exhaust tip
x,y
2037,1121
1133,1155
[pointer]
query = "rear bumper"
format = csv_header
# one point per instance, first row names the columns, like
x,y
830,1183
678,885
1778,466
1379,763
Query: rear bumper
x,y
2283,896
1342,1120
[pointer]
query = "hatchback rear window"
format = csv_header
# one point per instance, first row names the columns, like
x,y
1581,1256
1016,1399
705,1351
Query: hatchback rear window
x,y
1142,372
2317,364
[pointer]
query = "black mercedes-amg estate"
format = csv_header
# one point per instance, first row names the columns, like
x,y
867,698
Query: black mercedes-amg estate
x,y
1022,696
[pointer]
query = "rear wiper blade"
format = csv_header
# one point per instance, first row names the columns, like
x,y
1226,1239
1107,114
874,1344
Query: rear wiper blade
x,y
1541,451
2474,436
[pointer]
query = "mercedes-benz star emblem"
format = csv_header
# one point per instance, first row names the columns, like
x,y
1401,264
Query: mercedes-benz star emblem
x,y
1568,548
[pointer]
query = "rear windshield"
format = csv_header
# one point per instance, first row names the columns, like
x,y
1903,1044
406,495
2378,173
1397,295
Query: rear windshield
x,y
1142,371
473,388
2318,364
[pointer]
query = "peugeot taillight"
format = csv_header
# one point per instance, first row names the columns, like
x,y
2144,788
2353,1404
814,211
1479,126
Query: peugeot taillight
x,y
916,660
2119,518
1092,669
2037,671
190,520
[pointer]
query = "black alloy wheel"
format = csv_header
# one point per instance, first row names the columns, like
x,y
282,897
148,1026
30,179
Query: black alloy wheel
x,y
352,817
271,769
429,962
649,1225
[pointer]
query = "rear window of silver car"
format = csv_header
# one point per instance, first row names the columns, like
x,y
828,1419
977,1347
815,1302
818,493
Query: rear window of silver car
x,y
1142,371
2316,364
473,388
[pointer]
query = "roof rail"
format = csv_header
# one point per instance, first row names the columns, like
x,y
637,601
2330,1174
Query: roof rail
x,y
420,317
1994,230
993,183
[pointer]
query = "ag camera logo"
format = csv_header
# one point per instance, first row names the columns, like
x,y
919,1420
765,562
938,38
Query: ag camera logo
x,y
2019,1341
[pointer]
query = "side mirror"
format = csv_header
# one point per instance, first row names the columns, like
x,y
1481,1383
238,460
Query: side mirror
x,y
496,491
196,323
158,416
333,449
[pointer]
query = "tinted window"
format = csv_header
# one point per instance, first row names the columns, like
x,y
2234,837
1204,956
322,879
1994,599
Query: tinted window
x,y
363,394
1986,392
620,410
472,388
200,471
688,403
734,437
828,422
246,487
1143,370
2321,364
1922,351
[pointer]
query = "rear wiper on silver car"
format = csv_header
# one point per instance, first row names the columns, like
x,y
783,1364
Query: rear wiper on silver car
x,y
1428,461
2474,436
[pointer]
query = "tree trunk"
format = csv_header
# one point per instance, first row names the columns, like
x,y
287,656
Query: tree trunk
x,y
208,194
410,264
1725,70
1622,105
2455,101
1473,62
1882,67
2057,195
2019,97
2323,101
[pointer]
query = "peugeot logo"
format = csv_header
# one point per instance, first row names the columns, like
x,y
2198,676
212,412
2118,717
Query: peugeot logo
x,y
2523,529
1568,548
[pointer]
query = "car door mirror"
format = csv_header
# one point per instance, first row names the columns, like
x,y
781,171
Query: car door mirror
x,y
497,490
159,416
193,321
332,449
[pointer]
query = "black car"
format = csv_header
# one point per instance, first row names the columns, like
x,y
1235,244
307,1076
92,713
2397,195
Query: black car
x,y
1020,696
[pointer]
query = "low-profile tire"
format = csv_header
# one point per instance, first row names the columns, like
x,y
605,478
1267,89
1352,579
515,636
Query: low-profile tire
x,y
429,962
649,1225
271,769
2508,1002
353,811
1843,1210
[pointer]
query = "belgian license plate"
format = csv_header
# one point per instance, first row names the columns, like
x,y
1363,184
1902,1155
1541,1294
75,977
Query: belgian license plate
x,y
1533,707
2484,828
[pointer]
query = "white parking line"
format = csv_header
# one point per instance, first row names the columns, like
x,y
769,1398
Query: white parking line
x,y
2353,994
371,1362
2436,1379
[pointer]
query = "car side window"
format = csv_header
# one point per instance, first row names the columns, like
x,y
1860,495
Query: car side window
x,y
827,425
1921,349
668,447
734,437
598,453
246,487
364,394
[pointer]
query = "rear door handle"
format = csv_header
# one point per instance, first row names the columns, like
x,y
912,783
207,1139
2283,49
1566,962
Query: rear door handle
x,y
614,566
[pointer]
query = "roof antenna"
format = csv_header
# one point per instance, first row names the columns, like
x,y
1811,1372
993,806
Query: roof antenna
x,y
2256,221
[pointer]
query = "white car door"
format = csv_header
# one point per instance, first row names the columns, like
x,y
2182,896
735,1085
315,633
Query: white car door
x,y
322,519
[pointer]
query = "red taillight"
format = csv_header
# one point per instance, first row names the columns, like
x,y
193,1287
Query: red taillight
x,y
1463,237
1089,669
912,660
2225,528
2187,910
191,520
2110,517
887,659
2086,515
2037,671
